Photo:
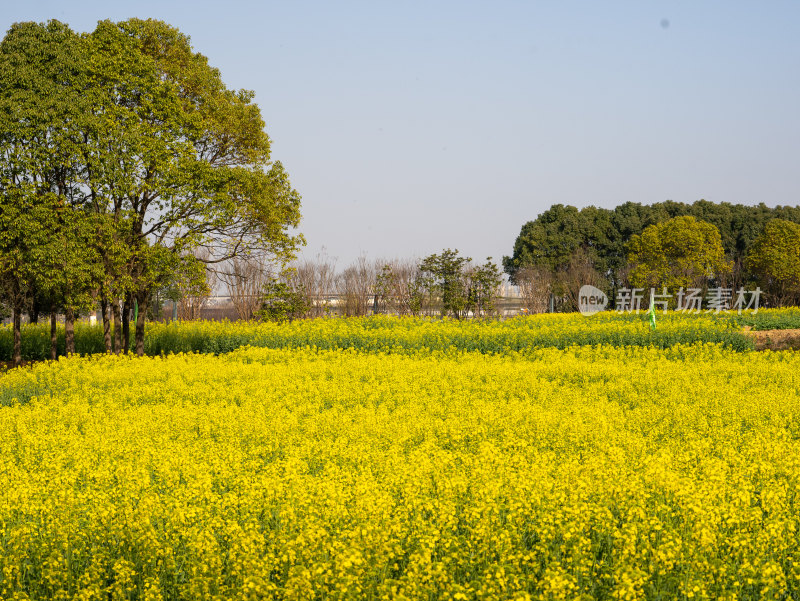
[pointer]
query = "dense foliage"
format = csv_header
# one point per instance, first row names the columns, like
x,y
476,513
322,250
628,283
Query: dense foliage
x,y
775,260
127,166
564,235
677,253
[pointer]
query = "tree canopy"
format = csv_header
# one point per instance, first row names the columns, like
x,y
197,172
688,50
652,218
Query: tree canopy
x,y
677,253
598,240
129,149
775,258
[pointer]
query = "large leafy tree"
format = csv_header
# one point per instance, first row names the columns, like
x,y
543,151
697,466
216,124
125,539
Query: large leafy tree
x,y
548,241
562,246
679,252
178,158
774,261
135,157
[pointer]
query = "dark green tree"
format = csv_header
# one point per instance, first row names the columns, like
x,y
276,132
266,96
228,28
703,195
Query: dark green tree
x,y
600,237
44,225
549,240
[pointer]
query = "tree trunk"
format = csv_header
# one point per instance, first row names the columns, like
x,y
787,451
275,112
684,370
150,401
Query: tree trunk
x,y
69,330
126,324
53,335
117,326
17,335
34,312
106,323
142,304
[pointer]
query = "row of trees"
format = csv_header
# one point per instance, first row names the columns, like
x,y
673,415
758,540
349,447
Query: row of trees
x,y
127,168
440,284
665,244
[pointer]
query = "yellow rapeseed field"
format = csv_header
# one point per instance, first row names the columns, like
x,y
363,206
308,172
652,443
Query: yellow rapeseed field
x,y
580,473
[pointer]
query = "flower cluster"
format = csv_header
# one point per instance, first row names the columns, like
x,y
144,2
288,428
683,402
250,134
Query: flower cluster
x,y
579,473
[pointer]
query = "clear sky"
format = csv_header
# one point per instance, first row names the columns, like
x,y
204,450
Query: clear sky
x,y
409,127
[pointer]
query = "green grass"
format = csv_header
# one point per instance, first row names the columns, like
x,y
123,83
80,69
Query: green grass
x,y
393,334
770,319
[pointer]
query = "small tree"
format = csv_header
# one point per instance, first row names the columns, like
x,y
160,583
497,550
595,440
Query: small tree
x,y
580,270
385,285
443,277
774,261
680,252
192,281
68,269
281,302
483,284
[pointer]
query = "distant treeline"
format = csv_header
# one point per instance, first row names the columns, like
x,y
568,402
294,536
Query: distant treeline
x,y
564,243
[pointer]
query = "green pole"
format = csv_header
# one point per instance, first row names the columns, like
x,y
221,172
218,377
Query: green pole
x,y
135,311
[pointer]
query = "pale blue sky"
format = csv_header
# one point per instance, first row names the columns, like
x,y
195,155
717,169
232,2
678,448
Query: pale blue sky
x,y
409,127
